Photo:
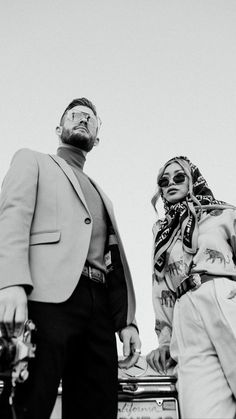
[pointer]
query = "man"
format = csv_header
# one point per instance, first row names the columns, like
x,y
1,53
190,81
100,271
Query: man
x,y
62,265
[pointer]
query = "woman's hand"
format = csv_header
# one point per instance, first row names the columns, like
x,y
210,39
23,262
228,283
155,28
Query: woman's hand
x,y
160,360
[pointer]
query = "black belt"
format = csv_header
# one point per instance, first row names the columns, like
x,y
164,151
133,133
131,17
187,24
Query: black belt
x,y
192,282
94,274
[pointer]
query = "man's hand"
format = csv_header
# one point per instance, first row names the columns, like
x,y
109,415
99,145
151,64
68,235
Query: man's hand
x,y
13,310
131,346
160,359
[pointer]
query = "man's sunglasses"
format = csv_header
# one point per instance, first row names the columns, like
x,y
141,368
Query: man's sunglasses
x,y
164,181
79,116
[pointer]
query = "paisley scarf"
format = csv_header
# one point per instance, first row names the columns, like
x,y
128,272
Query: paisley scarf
x,y
182,217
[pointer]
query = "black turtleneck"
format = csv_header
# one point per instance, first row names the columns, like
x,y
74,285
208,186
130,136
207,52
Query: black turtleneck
x,y
73,155
76,159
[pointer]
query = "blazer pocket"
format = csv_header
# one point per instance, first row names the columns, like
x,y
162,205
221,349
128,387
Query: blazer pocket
x,y
45,238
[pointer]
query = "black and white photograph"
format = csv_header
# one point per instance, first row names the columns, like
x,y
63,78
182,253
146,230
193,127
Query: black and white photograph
x,y
118,209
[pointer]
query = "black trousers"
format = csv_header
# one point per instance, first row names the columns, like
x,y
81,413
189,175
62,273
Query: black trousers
x,y
76,343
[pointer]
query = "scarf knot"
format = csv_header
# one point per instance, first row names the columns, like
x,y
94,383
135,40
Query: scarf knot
x,y
181,219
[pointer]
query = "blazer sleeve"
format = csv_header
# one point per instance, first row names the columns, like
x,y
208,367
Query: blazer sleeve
x,y
17,204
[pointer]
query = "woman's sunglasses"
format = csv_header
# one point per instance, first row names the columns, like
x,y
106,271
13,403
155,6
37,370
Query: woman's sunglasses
x,y
164,181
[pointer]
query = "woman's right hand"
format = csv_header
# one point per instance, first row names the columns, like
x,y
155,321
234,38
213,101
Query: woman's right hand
x,y
160,360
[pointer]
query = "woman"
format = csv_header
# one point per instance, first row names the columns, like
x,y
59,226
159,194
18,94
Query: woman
x,y
194,292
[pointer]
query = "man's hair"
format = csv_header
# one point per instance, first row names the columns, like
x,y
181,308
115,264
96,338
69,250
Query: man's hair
x,y
83,101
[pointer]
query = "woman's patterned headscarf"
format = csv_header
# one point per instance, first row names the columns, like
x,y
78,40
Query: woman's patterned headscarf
x,y
182,217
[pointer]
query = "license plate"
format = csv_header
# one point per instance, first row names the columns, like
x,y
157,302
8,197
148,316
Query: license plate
x,y
158,408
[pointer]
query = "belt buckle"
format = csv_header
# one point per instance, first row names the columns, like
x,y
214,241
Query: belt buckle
x,y
90,275
196,278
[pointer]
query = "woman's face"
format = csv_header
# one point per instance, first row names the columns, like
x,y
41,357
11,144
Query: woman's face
x,y
174,188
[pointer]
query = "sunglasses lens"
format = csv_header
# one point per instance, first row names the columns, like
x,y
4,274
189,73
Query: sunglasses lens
x,y
163,182
179,178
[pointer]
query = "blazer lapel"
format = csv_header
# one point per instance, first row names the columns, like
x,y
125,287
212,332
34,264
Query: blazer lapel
x,y
107,203
73,179
71,176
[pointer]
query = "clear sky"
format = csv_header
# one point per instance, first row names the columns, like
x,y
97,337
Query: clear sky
x,y
162,74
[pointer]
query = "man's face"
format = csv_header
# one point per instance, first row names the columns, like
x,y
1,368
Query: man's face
x,y
79,128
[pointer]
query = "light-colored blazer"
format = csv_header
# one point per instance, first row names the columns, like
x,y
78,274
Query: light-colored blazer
x,y
45,233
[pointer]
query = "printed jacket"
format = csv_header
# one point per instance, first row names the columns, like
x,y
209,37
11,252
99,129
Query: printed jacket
x,y
216,255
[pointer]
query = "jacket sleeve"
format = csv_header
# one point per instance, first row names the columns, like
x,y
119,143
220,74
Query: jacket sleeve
x,y
163,303
232,233
17,204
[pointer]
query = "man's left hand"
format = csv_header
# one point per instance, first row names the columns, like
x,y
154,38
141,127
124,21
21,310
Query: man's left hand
x,y
131,346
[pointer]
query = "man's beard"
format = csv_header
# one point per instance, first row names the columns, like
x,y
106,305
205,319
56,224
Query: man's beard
x,y
78,139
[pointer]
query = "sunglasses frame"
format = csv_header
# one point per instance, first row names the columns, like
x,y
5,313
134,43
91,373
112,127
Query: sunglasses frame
x,y
174,178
